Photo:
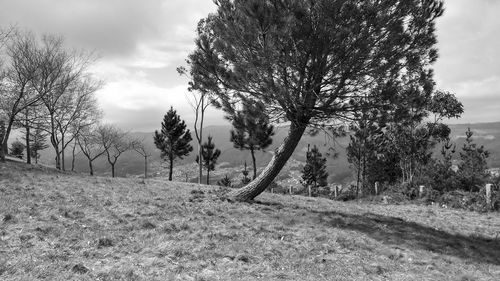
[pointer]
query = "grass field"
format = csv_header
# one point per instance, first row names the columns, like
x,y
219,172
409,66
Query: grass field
x,y
58,226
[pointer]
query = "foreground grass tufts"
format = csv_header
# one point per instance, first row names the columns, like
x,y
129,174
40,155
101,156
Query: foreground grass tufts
x,y
57,226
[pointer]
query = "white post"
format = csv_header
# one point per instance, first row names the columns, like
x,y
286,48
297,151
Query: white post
x,y
421,191
488,195
376,188
290,190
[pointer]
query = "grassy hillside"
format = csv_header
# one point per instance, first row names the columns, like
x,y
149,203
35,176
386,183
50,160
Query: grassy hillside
x,y
58,226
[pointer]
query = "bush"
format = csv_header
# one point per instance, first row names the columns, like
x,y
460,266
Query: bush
x,y
17,149
472,201
226,182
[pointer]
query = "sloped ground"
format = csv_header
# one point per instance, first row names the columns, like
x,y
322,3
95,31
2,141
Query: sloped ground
x,y
57,226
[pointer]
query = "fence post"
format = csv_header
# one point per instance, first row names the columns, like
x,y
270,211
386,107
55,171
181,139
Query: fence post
x,y
488,196
421,191
291,190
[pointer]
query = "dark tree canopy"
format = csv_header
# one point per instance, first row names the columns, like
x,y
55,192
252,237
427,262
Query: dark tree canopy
x,y
252,130
310,62
173,139
210,154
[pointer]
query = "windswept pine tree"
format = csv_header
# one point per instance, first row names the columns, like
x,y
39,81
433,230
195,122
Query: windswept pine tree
x,y
314,172
252,130
210,154
310,61
173,139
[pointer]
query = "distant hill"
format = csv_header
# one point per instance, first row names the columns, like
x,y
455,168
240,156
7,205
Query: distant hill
x,y
131,163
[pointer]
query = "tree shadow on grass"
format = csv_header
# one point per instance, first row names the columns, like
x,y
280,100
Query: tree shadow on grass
x,y
411,235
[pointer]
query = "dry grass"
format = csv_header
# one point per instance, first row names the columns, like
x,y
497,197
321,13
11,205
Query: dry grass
x,y
59,226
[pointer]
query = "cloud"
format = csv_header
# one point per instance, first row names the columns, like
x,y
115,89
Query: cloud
x,y
142,42
469,64
144,33
139,105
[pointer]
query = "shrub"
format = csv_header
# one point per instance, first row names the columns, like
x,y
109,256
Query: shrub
x,y
17,149
226,182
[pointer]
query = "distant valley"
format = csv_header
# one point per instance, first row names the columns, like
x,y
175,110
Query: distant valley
x,y
232,160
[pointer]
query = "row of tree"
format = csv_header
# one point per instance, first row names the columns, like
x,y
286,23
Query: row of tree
x,y
48,93
397,144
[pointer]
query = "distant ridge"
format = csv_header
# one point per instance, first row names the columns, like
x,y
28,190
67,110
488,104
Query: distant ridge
x,y
486,133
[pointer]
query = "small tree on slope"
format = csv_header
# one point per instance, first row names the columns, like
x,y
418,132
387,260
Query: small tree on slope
x,y
173,139
252,130
472,169
209,156
38,142
314,172
17,149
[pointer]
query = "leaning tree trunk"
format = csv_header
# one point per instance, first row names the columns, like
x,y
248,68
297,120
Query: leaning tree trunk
x,y
280,157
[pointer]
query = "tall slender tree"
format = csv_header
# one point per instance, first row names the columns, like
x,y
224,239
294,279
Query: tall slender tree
x,y
199,100
310,61
210,156
173,139
252,130
139,147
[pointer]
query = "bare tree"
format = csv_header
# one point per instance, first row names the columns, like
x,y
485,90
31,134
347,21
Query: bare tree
x,y
22,69
65,90
115,143
199,102
77,110
139,147
90,145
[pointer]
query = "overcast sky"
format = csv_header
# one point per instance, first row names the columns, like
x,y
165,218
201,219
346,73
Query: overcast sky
x,y
142,42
